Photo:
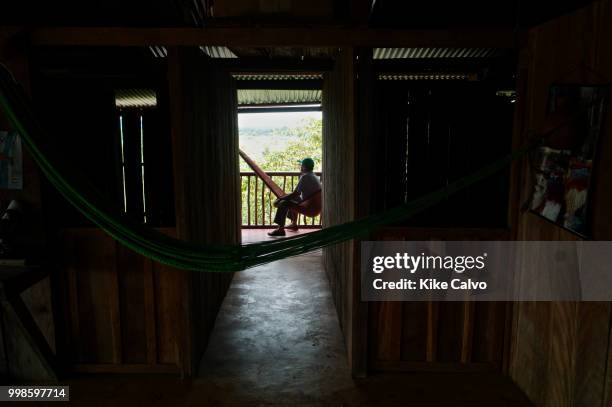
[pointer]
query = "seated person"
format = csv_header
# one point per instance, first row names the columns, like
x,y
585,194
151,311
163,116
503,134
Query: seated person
x,y
308,185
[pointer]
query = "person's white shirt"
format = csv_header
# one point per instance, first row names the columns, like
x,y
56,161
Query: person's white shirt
x,y
309,184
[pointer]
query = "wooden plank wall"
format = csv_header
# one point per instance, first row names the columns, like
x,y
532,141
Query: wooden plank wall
x,y
339,183
561,351
438,336
15,59
207,176
316,9
122,312
37,298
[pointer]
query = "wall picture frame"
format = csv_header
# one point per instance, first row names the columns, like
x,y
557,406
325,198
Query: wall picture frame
x,y
11,161
563,163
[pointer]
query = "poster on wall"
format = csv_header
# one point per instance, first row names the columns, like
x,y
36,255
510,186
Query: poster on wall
x,y
564,162
11,161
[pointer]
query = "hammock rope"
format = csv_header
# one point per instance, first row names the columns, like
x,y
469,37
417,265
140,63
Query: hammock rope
x,y
211,258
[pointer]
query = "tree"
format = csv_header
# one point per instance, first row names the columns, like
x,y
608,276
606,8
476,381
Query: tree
x,y
306,141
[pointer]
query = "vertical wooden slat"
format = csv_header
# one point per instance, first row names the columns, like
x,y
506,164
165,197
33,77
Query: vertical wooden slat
x,y
255,202
468,332
248,200
285,184
269,207
414,331
432,330
115,315
292,187
131,273
170,328
150,316
73,302
389,328
263,204
490,318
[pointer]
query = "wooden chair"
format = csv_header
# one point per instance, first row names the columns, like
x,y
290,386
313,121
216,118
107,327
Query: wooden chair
x,y
310,206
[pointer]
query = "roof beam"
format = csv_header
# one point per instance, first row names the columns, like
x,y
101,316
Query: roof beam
x,y
284,108
274,65
313,36
434,65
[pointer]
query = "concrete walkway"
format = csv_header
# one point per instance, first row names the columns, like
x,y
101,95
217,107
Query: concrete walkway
x,y
277,339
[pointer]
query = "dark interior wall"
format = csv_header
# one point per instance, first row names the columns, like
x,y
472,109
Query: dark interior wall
x,y
79,118
38,297
151,13
18,63
206,161
561,351
412,138
121,312
74,97
432,133
116,311
338,184
477,13
425,135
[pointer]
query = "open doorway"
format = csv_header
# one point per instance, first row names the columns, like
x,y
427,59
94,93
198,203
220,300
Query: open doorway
x,y
277,336
280,124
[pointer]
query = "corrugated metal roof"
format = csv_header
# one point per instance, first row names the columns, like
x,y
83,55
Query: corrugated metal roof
x,y
427,76
158,51
421,53
135,98
278,96
276,77
218,52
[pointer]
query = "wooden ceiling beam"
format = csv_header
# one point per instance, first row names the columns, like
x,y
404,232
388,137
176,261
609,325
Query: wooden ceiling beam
x,y
311,36
274,65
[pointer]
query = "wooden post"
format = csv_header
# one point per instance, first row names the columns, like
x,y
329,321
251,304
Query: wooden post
x,y
176,128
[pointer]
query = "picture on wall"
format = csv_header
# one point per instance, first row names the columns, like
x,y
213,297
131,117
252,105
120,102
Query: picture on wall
x,y
564,161
11,161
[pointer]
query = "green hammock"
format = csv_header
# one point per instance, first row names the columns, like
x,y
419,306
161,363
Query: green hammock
x,y
184,255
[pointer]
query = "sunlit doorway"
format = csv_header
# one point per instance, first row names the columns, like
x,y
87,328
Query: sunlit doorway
x,y
278,128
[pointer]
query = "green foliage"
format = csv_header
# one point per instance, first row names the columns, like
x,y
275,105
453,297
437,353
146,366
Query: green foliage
x,y
299,143
305,141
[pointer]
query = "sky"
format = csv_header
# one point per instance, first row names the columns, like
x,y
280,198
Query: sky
x,y
274,120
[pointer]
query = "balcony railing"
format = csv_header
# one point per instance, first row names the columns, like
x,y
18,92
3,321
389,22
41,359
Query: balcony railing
x,y
257,199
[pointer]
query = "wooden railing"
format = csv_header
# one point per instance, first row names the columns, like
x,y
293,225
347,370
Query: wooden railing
x,y
257,199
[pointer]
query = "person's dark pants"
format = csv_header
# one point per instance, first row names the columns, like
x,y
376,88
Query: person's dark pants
x,y
283,211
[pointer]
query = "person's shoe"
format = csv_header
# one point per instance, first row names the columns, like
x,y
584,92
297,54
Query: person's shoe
x,y
293,227
277,232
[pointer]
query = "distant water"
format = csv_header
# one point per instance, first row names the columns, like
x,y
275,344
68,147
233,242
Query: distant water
x,y
255,146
